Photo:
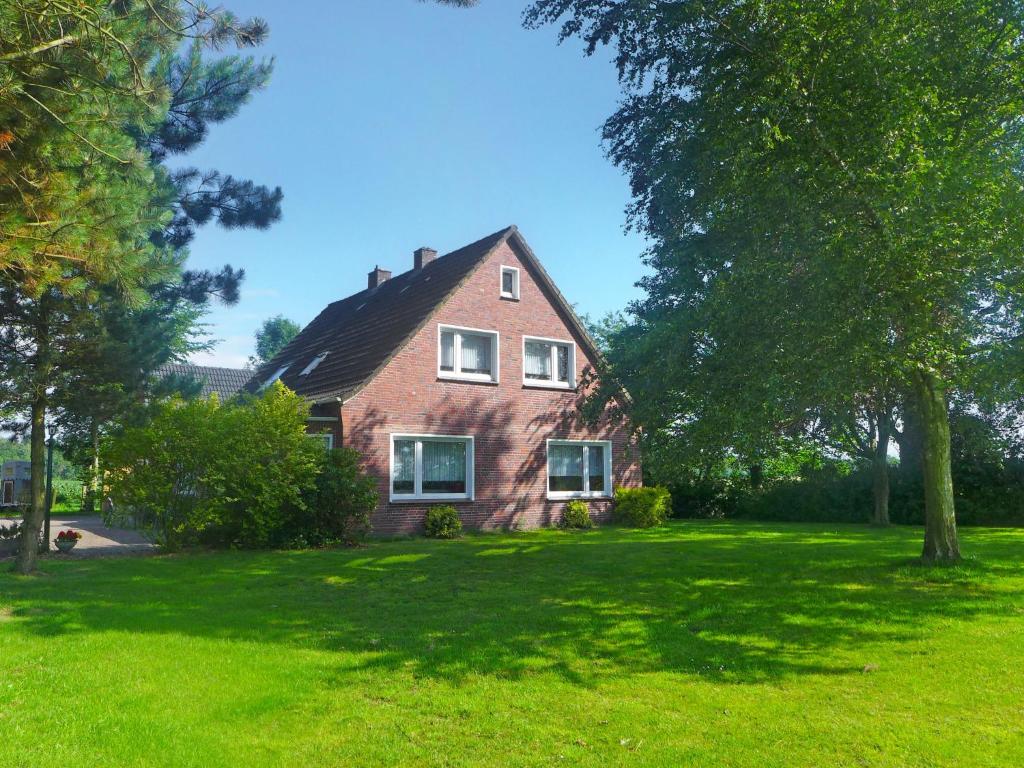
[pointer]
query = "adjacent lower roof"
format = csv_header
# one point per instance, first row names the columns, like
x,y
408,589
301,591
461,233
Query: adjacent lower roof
x,y
360,334
224,381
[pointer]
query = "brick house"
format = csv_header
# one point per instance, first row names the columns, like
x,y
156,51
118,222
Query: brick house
x,y
458,381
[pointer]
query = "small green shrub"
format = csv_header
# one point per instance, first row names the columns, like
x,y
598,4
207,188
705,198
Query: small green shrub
x,y
642,507
443,522
576,515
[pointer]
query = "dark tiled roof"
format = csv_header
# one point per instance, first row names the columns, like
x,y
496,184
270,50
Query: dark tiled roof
x,y
361,333
364,331
224,381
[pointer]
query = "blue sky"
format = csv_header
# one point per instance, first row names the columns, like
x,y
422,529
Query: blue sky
x,y
394,124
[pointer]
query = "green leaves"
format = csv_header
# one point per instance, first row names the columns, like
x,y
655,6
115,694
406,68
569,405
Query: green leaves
x,y
832,192
273,336
229,474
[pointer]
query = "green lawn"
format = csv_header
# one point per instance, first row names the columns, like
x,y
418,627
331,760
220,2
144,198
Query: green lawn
x,y
697,644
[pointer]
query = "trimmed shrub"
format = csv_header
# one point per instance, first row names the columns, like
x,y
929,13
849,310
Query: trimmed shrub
x,y
443,522
642,507
576,515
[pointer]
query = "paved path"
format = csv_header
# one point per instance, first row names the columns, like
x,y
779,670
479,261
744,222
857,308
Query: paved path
x,y
97,539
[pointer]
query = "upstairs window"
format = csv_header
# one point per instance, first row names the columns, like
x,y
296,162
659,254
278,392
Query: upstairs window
x,y
467,353
313,364
431,467
579,469
549,363
510,283
277,375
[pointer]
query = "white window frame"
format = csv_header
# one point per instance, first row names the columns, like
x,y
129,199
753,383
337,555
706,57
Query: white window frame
x,y
417,494
515,282
327,437
457,375
585,493
553,384
314,363
277,375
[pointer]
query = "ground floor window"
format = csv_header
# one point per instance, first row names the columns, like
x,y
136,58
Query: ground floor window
x,y
327,438
579,469
431,467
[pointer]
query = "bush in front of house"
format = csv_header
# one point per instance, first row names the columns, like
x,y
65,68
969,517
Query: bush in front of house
x,y
443,522
642,507
576,516
200,472
339,506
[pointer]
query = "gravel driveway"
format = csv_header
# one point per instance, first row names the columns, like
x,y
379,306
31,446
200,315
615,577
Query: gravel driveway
x,y
97,539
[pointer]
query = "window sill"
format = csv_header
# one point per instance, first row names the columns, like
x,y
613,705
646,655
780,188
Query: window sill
x,y
508,297
564,495
549,385
431,497
466,379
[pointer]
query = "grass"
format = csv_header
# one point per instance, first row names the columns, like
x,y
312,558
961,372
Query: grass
x,y
701,644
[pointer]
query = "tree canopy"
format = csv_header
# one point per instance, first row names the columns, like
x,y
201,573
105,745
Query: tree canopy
x,y
833,194
271,337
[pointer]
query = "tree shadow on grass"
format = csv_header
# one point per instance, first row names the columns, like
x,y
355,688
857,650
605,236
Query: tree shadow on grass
x,y
729,602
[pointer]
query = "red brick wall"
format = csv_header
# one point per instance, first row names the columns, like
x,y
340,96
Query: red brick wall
x,y
510,422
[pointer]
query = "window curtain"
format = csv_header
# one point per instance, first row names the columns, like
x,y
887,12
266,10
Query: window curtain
x,y
447,351
444,467
404,467
538,360
565,468
563,363
476,354
596,468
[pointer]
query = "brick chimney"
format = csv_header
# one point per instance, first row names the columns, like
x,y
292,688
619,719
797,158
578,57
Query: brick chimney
x,y
423,256
377,276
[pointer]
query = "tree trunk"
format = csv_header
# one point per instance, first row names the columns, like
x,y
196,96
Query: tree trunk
x,y
28,551
911,440
880,476
940,537
92,488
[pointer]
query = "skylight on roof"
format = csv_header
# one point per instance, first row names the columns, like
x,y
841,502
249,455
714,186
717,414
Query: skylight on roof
x,y
277,375
313,364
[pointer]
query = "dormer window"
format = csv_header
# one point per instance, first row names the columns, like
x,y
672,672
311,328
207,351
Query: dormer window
x,y
277,375
510,283
313,364
549,363
467,353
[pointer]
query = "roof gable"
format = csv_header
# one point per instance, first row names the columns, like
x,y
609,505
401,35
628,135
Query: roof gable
x,y
356,337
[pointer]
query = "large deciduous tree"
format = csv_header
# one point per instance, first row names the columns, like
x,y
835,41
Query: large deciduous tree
x,y
271,337
831,189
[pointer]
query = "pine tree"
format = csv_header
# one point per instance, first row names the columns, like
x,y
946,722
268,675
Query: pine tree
x,y
92,219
